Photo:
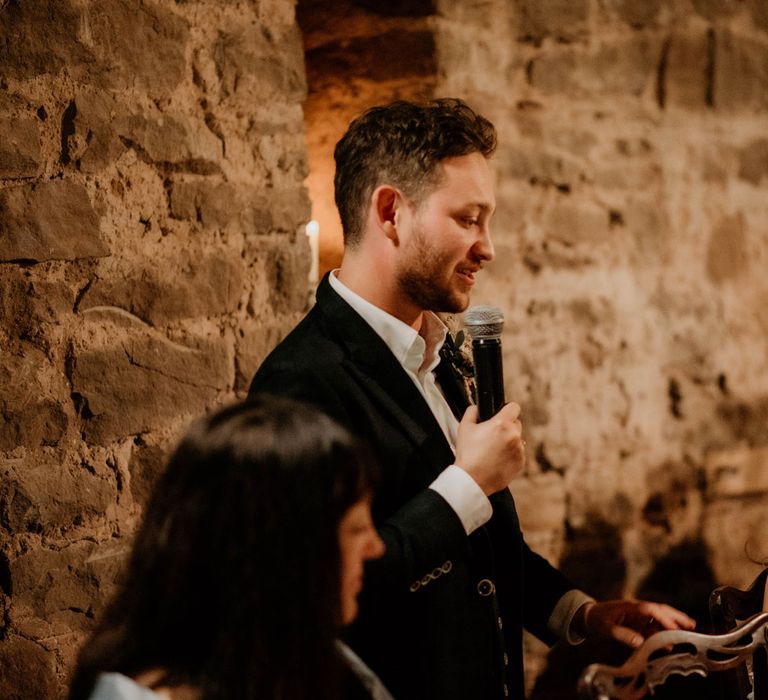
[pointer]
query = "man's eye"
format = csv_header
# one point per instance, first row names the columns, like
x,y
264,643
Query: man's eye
x,y
471,222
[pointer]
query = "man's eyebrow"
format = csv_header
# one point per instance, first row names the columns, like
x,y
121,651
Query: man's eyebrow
x,y
482,206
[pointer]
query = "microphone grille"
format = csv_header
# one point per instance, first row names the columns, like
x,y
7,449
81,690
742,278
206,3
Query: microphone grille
x,y
484,322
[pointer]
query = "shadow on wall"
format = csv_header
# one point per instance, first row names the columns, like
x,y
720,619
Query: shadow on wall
x,y
682,578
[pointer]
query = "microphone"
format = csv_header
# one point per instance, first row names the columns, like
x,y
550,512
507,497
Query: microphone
x,y
484,325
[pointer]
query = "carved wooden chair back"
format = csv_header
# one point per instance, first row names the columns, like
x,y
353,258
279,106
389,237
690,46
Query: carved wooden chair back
x,y
727,606
675,652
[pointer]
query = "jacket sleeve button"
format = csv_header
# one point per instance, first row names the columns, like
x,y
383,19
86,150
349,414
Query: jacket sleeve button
x,y
485,587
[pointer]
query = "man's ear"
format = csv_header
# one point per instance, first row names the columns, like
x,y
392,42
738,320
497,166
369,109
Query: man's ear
x,y
385,205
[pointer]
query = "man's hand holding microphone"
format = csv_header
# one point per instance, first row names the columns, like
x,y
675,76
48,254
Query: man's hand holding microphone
x,y
489,443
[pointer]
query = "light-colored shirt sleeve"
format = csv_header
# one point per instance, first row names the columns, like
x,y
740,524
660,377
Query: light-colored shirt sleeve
x,y
561,619
116,686
466,498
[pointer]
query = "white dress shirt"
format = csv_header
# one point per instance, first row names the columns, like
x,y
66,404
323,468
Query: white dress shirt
x,y
418,354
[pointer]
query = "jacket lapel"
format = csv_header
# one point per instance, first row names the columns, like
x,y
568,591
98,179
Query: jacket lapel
x,y
374,366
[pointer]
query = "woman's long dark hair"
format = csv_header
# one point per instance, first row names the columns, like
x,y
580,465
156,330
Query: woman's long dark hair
x,y
233,583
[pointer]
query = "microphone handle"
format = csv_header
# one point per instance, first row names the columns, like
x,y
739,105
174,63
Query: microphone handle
x,y
489,377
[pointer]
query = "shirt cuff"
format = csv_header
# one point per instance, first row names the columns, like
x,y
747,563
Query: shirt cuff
x,y
562,616
466,498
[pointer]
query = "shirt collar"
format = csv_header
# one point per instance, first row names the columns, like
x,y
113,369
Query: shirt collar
x,y
417,351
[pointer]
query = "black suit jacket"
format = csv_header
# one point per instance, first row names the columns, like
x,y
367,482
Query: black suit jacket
x,y
441,613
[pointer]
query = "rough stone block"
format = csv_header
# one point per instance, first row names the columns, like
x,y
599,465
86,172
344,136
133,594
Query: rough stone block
x,y
636,14
165,139
759,10
562,19
217,206
747,420
753,161
284,210
256,342
647,225
611,69
130,379
48,221
575,222
634,174
30,414
214,205
146,464
45,581
539,165
737,471
741,72
94,143
29,300
716,165
686,79
79,578
42,422
42,611
224,206
27,670
185,199
40,37
50,496
727,256
20,154
139,44
287,272
196,288
714,9
252,62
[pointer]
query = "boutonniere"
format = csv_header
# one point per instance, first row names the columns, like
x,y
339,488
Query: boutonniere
x,y
457,352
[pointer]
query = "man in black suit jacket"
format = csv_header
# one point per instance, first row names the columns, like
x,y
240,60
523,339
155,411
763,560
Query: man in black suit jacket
x,y
442,612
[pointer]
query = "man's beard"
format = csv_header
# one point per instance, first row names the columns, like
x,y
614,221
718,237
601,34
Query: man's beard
x,y
419,279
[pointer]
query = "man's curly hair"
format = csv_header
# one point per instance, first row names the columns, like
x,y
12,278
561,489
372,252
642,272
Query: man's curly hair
x,y
402,144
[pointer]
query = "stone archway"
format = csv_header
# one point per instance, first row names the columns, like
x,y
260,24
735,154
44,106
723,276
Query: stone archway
x,y
358,54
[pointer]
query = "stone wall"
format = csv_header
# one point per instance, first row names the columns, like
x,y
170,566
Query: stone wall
x,y
151,252
152,157
632,249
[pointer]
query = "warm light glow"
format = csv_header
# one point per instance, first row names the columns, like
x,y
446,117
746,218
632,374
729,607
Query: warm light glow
x,y
313,234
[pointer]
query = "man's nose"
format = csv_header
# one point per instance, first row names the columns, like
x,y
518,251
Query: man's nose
x,y
483,247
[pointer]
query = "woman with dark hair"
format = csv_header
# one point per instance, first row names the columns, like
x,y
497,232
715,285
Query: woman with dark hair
x,y
246,565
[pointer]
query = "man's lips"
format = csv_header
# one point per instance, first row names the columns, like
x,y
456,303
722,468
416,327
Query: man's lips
x,y
467,273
